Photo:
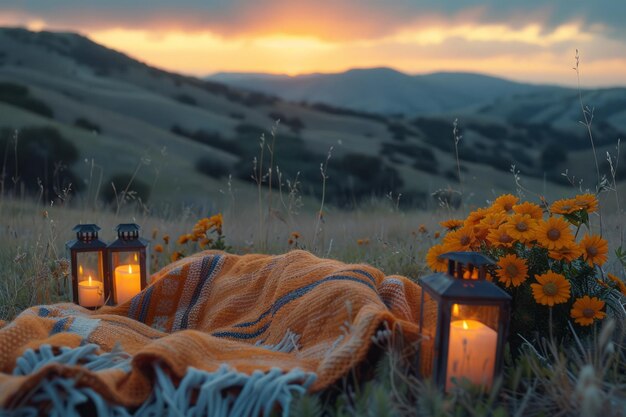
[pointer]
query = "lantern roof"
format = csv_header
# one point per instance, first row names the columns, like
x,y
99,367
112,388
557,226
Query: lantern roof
x,y
86,238
444,286
466,258
128,237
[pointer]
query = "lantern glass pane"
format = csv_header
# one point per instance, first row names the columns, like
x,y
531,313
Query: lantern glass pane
x,y
126,277
472,344
90,277
430,314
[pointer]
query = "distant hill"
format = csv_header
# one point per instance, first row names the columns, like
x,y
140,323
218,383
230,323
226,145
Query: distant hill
x,y
384,90
114,115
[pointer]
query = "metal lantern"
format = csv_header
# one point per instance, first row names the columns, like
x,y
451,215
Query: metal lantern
x,y
88,263
128,266
464,322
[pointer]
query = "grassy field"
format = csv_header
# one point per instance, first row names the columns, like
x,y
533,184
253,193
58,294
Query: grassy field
x,y
545,378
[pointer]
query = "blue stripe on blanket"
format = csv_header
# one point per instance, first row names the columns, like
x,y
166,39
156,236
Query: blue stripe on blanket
x,y
145,303
207,272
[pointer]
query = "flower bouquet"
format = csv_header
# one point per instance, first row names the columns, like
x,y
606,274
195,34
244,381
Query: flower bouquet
x,y
547,258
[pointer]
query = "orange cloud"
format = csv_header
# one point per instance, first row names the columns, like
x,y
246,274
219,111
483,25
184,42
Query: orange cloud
x,y
523,53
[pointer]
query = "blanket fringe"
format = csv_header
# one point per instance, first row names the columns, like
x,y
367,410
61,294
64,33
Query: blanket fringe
x,y
258,394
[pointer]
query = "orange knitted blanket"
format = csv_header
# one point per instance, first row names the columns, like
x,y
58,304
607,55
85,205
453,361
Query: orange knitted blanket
x,y
211,312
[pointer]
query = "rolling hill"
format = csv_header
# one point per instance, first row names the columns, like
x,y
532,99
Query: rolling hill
x,y
384,90
183,136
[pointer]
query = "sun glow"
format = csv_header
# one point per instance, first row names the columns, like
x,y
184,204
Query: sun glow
x,y
417,48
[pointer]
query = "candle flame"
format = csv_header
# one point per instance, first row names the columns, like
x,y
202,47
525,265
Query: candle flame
x,y
135,257
130,269
465,326
89,279
80,269
455,310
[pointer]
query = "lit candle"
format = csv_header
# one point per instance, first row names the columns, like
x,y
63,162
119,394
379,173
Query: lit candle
x,y
471,353
90,293
127,282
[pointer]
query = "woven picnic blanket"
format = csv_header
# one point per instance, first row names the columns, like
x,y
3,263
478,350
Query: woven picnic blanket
x,y
214,334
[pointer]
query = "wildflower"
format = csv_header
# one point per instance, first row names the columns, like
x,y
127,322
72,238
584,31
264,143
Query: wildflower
x,y
586,309
565,206
521,227
505,203
436,235
204,242
176,256
595,249
44,214
166,239
158,248
569,252
513,270
554,233
587,202
476,216
433,260
290,241
533,210
362,242
182,239
552,288
451,224
217,221
459,240
500,237
489,222
618,282
422,229
295,235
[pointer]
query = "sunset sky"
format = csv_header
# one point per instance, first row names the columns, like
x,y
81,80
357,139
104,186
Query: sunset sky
x,y
526,40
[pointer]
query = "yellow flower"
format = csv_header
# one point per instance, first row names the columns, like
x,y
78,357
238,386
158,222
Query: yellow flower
x,y
552,289
422,229
176,256
586,309
158,248
505,203
565,206
568,252
500,238
554,233
521,227
217,221
595,249
433,260
166,239
182,239
489,222
295,235
204,242
363,242
618,282
436,235
532,209
587,202
476,216
459,240
513,270
451,224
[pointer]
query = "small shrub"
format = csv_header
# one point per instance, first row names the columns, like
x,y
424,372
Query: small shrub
x,y
186,99
87,125
19,96
211,167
